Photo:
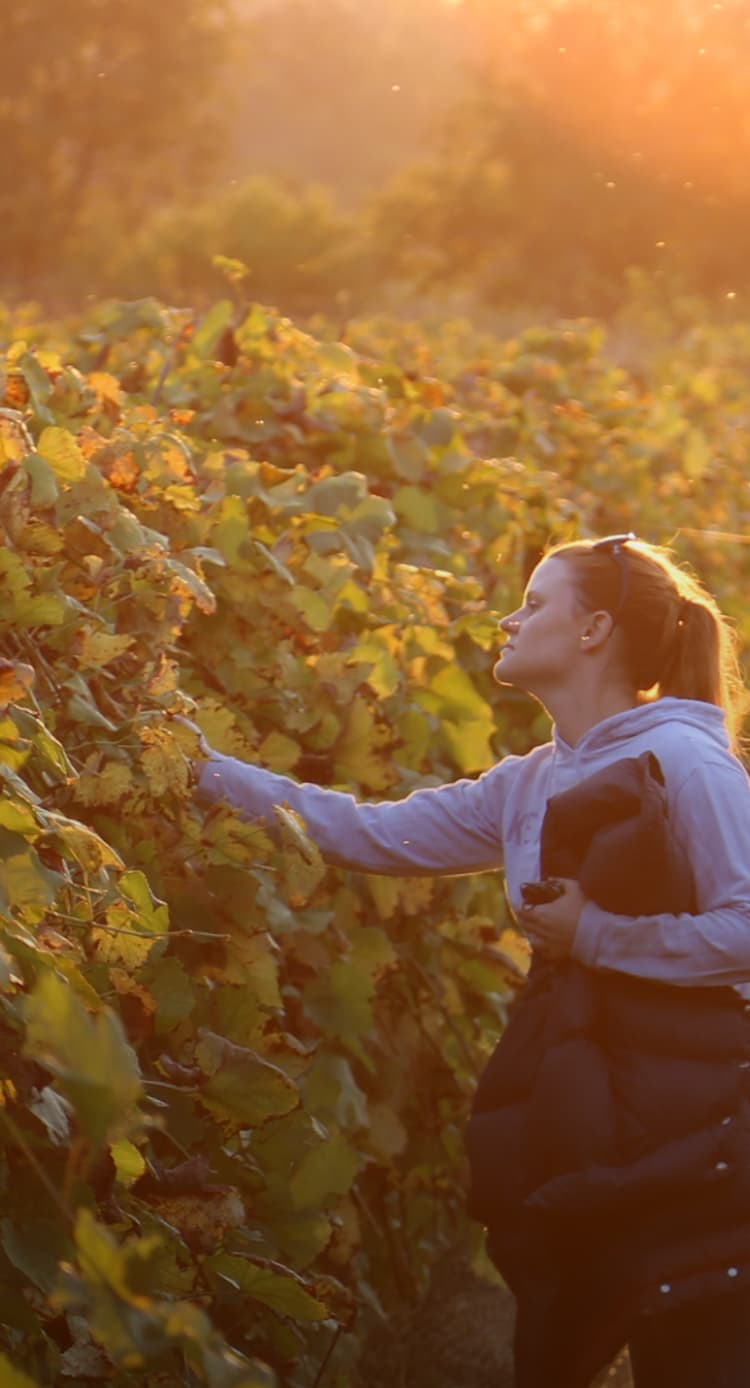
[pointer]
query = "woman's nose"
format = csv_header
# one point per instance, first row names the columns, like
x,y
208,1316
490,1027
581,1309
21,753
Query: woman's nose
x,y
509,623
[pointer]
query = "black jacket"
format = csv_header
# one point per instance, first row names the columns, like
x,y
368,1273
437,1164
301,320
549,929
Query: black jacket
x,y
609,1142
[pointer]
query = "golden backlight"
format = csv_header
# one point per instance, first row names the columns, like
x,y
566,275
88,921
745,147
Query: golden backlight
x,y
659,85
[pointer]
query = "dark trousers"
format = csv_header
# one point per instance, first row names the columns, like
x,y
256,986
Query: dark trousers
x,y
703,1346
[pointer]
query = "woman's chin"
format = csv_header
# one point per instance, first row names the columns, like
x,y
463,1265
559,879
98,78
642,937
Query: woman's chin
x,y
501,673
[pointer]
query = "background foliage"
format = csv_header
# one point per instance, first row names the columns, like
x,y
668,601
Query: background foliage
x,y
234,1081
557,147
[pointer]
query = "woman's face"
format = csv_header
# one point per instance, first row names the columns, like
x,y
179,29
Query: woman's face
x,y
546,635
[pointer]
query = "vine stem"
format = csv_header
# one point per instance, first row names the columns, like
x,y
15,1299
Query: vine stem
x,y
327,1357
208,935
434,993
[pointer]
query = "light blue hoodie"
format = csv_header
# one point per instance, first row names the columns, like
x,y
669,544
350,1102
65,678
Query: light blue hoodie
x,y
495,821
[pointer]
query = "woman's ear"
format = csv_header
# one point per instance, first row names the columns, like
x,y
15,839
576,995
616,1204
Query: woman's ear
x,y
597,629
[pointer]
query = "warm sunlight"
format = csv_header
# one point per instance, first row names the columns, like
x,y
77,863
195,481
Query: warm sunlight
x,y
374,711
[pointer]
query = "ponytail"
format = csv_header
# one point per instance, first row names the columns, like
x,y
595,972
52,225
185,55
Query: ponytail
x,y
676,641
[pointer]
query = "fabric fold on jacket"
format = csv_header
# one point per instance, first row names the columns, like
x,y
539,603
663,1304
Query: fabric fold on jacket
x,y
610,1137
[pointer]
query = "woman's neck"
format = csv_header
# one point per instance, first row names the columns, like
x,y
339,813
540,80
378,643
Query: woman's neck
x,y
575,711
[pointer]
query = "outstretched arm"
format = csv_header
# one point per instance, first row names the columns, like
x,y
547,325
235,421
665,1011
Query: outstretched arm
x,y
455,828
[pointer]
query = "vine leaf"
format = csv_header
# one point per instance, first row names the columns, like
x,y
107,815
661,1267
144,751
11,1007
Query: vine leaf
x,y
89,1056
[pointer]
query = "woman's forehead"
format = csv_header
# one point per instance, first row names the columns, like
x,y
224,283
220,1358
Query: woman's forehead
x,y
549,576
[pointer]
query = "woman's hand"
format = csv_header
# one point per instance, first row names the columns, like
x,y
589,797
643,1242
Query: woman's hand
x,y
551,926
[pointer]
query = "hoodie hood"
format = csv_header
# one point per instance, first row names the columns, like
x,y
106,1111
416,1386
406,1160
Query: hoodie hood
x,y
683,734
615,735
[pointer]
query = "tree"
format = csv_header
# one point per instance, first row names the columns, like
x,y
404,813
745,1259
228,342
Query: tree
x,y
597,138
337,94
101,103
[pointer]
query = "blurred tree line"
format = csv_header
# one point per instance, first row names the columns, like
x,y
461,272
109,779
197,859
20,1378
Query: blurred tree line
x,y
527,153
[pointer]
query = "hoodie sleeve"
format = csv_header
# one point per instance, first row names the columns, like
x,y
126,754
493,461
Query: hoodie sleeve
x,y
452,829
711,818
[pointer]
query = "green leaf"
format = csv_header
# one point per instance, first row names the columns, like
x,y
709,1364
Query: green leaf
x,y
82,709
317,613
49,749
331,1093
44,488
370,518
172,990
54,1112
152,915
103,1262
341,1002
212,326
341,1005
409,456
39,384
340,360
89,1055
36,610
77,841
438,427
35,1247
25,883
277,1287
418,508
327,1170
242,1088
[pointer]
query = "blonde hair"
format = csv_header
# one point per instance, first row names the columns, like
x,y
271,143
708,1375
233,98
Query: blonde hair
x,y
676,640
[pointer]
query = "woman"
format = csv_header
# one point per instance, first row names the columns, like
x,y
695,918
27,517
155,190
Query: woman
x,y
628,654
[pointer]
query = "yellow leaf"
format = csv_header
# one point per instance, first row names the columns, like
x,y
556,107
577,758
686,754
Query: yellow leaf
x,y
18,818
165,676
221,731
304,868
384,676
165,767
12,445
280,752
36,537
124,984
129,1161
202,1218
61,450
314,608
106,387
470,745
82,844
250,962
16,679
358,754
105,786
97,648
